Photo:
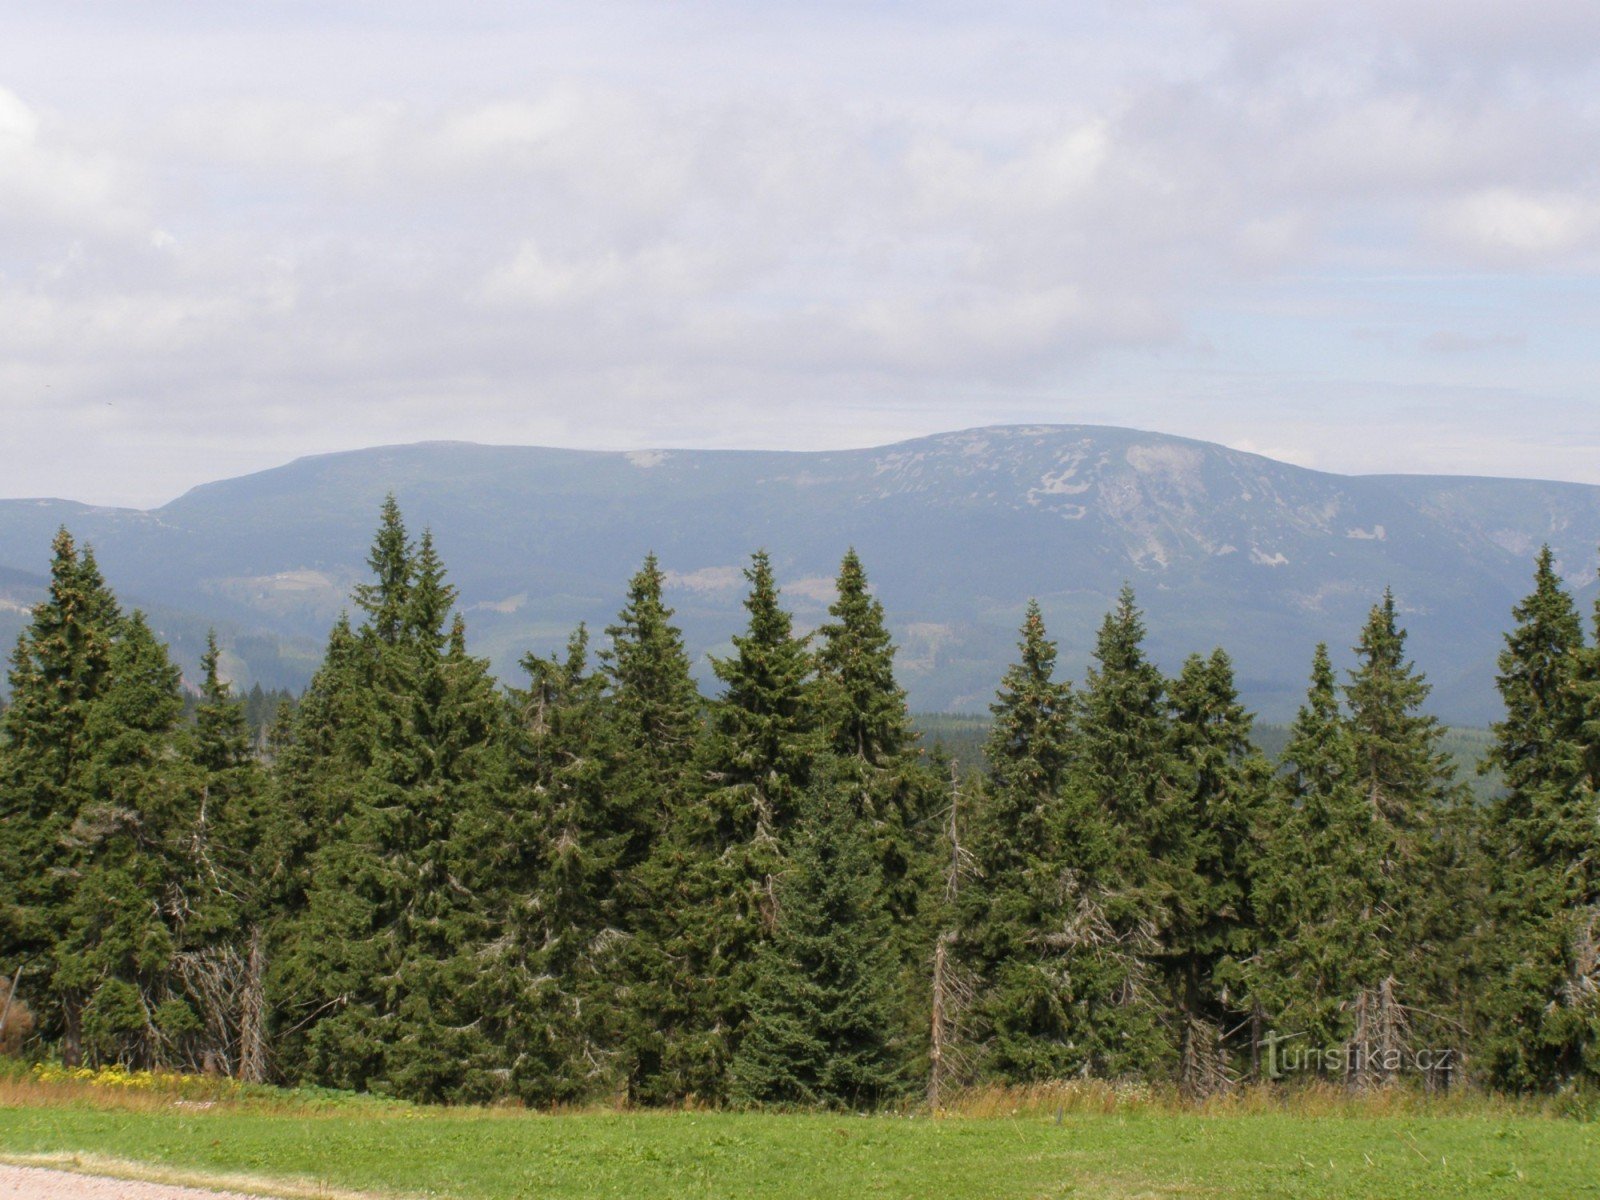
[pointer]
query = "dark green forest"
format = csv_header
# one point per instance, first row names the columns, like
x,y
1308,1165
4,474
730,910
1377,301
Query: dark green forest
x,y
600,884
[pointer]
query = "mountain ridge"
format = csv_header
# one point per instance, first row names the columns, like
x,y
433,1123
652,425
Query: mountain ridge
x,y
957,531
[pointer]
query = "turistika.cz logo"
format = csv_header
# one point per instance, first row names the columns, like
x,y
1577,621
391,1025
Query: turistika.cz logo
x,y
1282,1058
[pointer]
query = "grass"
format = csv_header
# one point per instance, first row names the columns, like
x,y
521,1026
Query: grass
x,y
1062,1141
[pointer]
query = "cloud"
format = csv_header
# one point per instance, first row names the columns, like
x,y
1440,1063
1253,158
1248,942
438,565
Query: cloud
x,y
624,225
1507,225
50,186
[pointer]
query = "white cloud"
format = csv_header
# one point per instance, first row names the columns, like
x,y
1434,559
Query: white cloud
x,y
50,186
617,225
1509,224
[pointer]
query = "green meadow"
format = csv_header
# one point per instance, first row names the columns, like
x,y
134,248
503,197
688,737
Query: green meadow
x,y
331,1148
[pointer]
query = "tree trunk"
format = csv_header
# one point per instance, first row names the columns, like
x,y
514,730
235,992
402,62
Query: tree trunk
x,y
252,1014
72,1030
1255,1041
936,1067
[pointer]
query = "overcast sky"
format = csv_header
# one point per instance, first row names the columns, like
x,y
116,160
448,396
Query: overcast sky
x,y
1357,235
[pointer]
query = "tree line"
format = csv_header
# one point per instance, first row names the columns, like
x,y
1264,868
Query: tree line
x,y
603,885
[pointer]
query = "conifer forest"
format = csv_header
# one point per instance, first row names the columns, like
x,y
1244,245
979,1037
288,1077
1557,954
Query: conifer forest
x,y
597,884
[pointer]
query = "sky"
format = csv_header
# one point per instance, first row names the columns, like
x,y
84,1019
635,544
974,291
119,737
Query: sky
x,y
1356,235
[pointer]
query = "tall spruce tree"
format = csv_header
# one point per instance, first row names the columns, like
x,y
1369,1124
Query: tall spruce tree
x,y
235,894
1221,781
323,748
1409,783
716,875
126,851
867,728
1320,891
386,947
657,718
1124,744
764,733
863,708
1036,924
821,1027
60,668
657,705
1540,998
555,874
1023,1007
1123,771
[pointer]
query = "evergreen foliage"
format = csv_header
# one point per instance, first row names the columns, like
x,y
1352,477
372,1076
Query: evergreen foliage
x,y
715,872
1541,1003
600,885
1319,891
820,1026
1031,1005
658,719
60,670
867,732
555,866
385,947
125,842
1220,781
1424,873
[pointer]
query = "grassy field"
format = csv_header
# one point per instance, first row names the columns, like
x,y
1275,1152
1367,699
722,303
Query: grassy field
x,y
1109,1149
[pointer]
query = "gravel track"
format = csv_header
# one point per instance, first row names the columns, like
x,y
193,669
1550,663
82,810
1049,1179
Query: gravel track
x,y
40,1183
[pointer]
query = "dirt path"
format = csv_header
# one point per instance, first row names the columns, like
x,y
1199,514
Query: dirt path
x,y
40,1183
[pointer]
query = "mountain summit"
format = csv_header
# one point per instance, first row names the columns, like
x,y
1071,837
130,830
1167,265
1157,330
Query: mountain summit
x,y
956,531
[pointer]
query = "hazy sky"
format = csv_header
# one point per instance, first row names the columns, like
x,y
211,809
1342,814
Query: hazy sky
x,y
1358,235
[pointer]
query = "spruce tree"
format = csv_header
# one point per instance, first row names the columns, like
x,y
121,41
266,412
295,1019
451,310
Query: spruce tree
x,y
715,876
128,849
554,872
863,708
763,734
1320,893
387,598
863,718
234,894
387,944
656,717
1037,924
1123,772
1023,1009
1543,1020
323,750
657,706
1123,745
59,670
1221,780
1422,846
1535,742
820,1030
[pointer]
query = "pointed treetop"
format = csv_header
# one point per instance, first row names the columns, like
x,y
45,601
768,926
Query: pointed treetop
x,y
1028,744
656,700
1403,770
770,668
386,598
221,733
769,622
1119,645
866,712
430,600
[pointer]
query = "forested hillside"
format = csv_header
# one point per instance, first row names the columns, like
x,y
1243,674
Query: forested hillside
x,y
601,882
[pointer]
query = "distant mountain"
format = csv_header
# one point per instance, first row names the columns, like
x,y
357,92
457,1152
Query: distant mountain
x,y
957,531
